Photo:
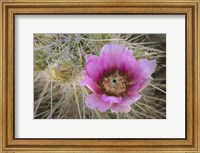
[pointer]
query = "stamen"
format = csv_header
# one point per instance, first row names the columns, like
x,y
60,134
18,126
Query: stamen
x,y
115,84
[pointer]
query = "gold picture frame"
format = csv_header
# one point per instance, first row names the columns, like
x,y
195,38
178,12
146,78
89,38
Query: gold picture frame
x,y
9,8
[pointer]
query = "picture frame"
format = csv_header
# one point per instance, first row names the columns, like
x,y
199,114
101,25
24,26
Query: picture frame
x,y
190,8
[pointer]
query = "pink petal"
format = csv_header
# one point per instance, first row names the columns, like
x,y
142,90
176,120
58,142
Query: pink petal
x,y
94,101
117,57
134,88
144,84
126,62
111,99
139,86
143,70
111,49
94,69
93,86
91,57
127,101
117,108
147,67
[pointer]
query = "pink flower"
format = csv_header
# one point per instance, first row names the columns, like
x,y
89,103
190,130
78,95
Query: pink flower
x,y
115,78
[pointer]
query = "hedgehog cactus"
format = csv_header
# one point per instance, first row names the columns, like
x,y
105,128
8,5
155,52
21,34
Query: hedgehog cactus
x,y
40,60
62,71
60,65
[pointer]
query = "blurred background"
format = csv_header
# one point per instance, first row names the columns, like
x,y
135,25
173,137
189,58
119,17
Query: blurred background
x,y
58,64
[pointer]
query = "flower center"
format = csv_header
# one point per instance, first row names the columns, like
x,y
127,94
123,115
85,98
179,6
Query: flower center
x,y
115,84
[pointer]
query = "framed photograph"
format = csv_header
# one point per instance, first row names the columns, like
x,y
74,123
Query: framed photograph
x,y
99,76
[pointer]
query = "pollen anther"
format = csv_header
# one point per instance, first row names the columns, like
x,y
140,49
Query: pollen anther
x,y
115,84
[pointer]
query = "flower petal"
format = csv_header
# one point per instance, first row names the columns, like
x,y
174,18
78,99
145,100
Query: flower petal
x,y
91,57
126,62
94,101
139,86
112,49
144,84
143,70
148,66
117,108
117,57
90,83
132,90
111,99
94,69
127,101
